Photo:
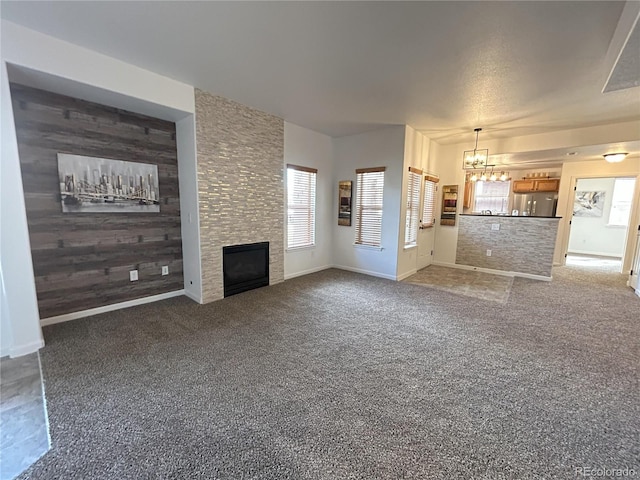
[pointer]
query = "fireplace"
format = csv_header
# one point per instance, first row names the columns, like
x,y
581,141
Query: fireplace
x,y
245,267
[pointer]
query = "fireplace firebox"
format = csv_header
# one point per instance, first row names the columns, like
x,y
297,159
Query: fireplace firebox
x,y
245,267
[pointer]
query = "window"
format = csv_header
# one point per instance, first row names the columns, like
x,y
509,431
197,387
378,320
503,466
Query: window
x,y
370,185
413,207
492,196
621,201
429,202
301,206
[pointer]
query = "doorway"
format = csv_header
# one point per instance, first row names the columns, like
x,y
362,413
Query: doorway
x,y
601,214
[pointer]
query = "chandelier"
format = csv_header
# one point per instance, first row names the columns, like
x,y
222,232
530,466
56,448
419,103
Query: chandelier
x,y
475,159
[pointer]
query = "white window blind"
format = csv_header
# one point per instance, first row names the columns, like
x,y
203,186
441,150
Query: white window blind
x,y
301,206
413,207
370,186
429,201
492,196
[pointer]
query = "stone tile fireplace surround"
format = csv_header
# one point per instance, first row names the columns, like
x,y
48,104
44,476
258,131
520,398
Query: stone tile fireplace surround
x,y
240,164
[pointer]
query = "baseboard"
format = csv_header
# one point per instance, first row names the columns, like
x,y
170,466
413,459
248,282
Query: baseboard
x,y
26,349
109,308
402,276
594,254
504,273
365,272
193,296
306,272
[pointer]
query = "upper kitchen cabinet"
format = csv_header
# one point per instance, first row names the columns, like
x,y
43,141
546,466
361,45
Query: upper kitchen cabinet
x,y
536,185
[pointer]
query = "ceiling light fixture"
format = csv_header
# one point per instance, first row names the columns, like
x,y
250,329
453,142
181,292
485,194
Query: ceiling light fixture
x,y
614,157
503,177
476,158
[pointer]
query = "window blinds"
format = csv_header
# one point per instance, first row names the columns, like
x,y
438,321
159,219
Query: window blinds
x,y
429,202
413,207
301,206
370,186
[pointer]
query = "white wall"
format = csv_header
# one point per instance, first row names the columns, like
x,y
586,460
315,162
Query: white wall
x,y
379,148
630,167
189,211
594,235
307,148
447,162
6,337
45,62
20,317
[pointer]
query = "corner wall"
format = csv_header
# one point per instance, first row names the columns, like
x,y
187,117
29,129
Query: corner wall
x,y
66,69
307,148
410,259
379,148
240,185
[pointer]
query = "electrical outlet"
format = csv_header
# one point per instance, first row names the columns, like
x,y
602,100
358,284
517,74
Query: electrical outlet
x,y
495,226
165,270
133,275
488,253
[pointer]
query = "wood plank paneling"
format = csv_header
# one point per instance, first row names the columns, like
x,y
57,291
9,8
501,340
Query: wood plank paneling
x,y
82,260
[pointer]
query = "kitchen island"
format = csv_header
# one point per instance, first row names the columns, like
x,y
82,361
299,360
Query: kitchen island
x,y
518,246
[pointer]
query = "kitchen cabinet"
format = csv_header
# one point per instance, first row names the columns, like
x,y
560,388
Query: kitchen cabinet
x,y
466,203
536,185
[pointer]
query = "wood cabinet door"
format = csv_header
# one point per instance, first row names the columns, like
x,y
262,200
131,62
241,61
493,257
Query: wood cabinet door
x,y
548,185
467,195
523,186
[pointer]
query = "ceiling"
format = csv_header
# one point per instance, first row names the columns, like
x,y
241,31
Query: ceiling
x,y
513,68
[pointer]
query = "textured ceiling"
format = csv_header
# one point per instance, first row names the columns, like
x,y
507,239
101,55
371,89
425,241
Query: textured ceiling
x,y
513,68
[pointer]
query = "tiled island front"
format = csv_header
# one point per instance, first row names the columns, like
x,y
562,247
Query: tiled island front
x,y
522,246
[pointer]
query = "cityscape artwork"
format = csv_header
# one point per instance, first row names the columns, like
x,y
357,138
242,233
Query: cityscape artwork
x,y
91,184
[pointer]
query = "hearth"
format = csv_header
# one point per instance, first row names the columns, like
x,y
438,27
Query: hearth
x,y
245,267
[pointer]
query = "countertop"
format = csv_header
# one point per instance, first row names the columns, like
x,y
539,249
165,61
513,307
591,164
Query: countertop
x,y
502,216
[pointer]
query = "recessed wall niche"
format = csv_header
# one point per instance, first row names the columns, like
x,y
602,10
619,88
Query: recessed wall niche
x,y
82,261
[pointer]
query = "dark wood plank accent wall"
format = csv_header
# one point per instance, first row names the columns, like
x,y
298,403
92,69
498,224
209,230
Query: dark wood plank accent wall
x,y
82,260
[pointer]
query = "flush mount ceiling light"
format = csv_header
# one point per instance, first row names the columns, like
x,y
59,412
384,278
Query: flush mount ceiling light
x,y
614,157
476,158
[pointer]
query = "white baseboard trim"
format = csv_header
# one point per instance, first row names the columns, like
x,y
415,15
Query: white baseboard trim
x,y
193,297
402,276
504,273
365,272
289,276
595,254
109,308
26,349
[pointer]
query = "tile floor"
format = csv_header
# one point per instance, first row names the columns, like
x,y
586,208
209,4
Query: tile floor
x,y
24,435
485,286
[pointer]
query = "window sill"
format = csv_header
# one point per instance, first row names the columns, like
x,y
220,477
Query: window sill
x,y
297,249
409,247
367,247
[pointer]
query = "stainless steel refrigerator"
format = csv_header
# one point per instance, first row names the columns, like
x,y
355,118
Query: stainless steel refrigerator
x,y
535,204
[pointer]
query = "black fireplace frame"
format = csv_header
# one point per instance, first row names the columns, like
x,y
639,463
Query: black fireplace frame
x,y
239,287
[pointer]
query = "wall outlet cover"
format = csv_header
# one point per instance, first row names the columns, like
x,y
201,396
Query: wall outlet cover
x,y
495,226
165,270
133,275
488,253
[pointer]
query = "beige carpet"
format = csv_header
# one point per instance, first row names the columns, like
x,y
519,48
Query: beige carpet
x,y
484,286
